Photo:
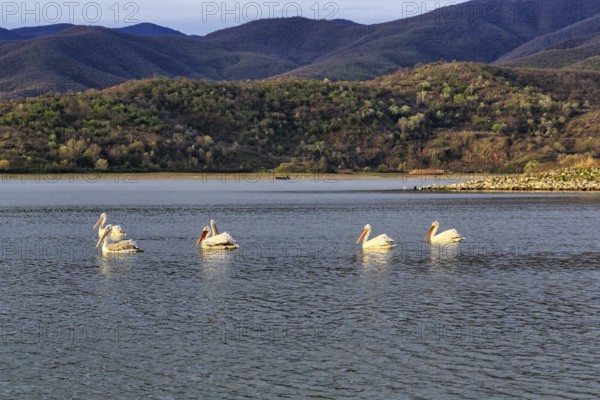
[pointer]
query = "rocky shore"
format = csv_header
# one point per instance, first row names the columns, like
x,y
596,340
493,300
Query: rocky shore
x,y
570,179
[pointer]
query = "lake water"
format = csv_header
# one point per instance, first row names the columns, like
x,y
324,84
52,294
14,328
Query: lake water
x,y
299,310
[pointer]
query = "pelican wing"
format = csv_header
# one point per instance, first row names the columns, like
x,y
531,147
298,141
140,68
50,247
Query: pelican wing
x,y
380,241
449,236
224,239
124,246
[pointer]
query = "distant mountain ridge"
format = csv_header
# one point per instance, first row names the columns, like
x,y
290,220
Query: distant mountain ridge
x,y
147,29
33,32
142,29
576,46
582,29
67,57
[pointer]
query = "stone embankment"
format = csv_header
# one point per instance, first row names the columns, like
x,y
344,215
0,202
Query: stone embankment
x,y
570,179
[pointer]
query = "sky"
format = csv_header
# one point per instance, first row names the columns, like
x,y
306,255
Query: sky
x,y
202,17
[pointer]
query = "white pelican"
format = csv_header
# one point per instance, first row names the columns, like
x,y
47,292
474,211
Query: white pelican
x,y
116,233
380,242
223,241
446,237
124,246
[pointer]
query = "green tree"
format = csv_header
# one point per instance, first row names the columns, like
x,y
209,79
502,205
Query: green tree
x,y
101,164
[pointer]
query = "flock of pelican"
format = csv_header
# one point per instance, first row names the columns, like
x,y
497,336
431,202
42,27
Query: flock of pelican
x,y
385,242
110,237
113,234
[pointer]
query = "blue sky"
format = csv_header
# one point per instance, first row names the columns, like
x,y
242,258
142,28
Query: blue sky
x,y
202,17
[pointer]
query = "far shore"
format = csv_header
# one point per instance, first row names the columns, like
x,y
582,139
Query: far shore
x,y
568,180
263,176
571,179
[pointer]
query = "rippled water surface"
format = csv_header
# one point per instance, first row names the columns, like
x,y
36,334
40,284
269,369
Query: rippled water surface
x,y
299,310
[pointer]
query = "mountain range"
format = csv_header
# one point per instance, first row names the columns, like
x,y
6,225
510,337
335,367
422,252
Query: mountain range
x,y
518,33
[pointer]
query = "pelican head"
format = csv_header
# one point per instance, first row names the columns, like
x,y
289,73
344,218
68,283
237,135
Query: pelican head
x,y
434,227
366,231
203,236
101,220
105,235
118,232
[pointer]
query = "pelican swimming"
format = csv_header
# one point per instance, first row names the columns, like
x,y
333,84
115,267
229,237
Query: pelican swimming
x,y
116,233
124,246
449,236
380,242
223,241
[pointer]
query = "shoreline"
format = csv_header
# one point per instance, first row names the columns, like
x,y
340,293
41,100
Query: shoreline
x,y
586,179
570,180
229,176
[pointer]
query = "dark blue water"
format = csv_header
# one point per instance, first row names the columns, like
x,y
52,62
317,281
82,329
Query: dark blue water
x,y
299,310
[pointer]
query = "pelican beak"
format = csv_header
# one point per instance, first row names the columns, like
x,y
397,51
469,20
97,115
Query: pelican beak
x,y
362,236
430,232
103,238
216,230
204,235
98,222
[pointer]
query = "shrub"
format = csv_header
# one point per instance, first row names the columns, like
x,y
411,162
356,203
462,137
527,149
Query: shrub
x,y
101,164
531,165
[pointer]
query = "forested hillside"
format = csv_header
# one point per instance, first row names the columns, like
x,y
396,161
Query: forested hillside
x,y
457,116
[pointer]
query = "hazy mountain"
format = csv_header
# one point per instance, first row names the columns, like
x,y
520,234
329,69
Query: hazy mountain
x,y
462,32
581,30
143,29
480,30
576,46
32,32
580,53
63,61
5,34
298,40
147,29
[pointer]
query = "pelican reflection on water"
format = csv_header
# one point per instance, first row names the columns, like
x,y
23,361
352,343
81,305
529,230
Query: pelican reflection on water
x,y
112,263
214,265
376,257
